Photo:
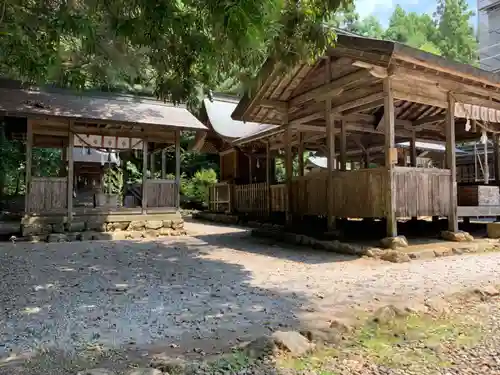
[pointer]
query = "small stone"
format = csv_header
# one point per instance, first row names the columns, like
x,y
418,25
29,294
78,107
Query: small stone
x,y
459,236
387,314
151,233
487,291
292,342
395,256
96,371
394,242
165,231
136,225
143,371
154,224
422,254
374,252
177,224
340,325
442,251
465,249
57,237
119,226
168,364
58,228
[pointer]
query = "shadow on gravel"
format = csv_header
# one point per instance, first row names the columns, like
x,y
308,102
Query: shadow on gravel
x,y
131,297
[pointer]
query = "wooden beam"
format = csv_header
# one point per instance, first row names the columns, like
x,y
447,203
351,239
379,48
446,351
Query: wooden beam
x,y
29,160
358,102
428,120
451,163
364,107
343,145
144,176
178,169
277,105
70,182
392,230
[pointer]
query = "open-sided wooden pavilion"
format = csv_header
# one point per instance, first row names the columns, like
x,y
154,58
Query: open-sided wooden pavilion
x,y
367,93
100,121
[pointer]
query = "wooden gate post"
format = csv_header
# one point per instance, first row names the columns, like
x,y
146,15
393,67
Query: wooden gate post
x,y
71,140
144,176
29,159
451,163
390,156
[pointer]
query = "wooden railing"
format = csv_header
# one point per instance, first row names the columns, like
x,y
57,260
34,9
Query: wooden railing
x,y
309,194
422,191
161,193
219,197
48,194
279,198
252,198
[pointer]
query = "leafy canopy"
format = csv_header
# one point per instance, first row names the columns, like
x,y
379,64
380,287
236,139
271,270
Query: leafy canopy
x,y
172,48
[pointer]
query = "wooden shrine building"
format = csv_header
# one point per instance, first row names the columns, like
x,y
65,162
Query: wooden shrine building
x,y
362,94
107,124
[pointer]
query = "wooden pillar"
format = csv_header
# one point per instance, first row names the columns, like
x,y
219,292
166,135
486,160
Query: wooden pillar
x,y
366,158
250,174
144,204
486,165
178,168
268,178
29,159
125,156
451,163
330,163
496,153
413,149
343,146
288,169
163,164
300,154
390,151
69,151
152,166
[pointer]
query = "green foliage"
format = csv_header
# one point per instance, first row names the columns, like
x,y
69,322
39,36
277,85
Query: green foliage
x,y
196,188
174,49
455,35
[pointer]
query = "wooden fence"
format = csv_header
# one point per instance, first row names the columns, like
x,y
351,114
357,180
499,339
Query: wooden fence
x,y
252,198
48,194
219,197
356,194
422,191
279,197
161,193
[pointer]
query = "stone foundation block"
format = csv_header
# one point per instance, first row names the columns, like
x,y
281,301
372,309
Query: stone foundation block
x,y
57,237
76,226
58,228
177,224
493,229
154,224
394,242
459,236
136,225
36,229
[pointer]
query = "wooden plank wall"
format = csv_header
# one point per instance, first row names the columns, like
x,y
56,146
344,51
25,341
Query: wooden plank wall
x,y
478,195
309,194
422,191
161,193
219,199
279,198
252,198
359,194
48,194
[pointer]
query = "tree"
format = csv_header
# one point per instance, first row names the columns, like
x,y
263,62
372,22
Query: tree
x,y
455,36
411,28
369,27
174,49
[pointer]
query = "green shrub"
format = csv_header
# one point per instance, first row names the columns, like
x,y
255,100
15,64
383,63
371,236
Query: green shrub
x,y
196,188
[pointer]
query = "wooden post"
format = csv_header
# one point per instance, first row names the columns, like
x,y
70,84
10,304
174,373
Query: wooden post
x,y
451,163
163,164
288,168
144,203
496,153
29,159
413,149
330,163
300,154
392,230
178,168
250,174
268,178
343,145
152,166
486,165
70,172
366,159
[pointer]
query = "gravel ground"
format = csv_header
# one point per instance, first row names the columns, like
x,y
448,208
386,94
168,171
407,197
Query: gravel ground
x,y
198,294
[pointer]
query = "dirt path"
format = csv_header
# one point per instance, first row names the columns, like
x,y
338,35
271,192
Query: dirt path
x,y
204,291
